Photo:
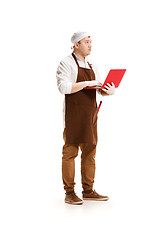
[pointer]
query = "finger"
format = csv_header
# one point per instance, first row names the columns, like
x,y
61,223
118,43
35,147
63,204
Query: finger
x,y
106,87
112,84
109,84
105,90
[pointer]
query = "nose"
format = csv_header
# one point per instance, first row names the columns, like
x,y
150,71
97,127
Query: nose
x,y
90,46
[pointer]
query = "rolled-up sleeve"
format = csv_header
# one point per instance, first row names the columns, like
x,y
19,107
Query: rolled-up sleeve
x,y
63,76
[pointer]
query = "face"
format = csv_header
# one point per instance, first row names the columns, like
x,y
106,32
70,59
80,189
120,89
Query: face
x,y
84,46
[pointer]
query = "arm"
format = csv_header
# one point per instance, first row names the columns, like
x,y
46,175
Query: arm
x,y
64,84
78,86
63,76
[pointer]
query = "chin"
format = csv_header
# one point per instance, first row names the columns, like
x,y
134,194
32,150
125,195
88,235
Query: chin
x,y
89,52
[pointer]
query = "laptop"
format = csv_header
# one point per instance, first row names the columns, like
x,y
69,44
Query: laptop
x,y
114,75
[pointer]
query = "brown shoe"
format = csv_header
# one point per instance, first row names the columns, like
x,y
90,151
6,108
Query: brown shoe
x,y
72,198
92,195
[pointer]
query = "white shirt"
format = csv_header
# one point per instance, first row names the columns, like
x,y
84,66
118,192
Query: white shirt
x,y
67,72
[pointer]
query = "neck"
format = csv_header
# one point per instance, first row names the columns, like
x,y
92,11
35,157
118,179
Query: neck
x,y
80,56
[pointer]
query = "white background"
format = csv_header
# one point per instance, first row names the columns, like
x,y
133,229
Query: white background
x,y
35,36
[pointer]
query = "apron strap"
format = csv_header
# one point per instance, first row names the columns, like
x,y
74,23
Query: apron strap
x,y
75,58
89,65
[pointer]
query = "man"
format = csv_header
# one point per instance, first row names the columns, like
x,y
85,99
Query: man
x,y
74,73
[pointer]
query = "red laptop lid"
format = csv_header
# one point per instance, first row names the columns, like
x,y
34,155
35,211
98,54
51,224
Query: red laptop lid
x,y
115,76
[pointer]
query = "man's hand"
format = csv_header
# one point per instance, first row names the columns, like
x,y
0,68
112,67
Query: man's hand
x,y
108,89
93,83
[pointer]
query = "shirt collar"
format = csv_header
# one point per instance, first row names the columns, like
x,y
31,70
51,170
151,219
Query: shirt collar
x,y
79,58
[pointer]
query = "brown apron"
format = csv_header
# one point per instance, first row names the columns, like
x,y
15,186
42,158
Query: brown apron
x,y
81,111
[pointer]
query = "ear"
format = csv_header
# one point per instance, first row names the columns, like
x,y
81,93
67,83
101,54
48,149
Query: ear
x,y
76,45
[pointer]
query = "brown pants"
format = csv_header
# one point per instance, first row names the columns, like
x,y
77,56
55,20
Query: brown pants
x,y
70,152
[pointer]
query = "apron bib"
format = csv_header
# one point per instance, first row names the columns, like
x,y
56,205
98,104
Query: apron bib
x,y
81,111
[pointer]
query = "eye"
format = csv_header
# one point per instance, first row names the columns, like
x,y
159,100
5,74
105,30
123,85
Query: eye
x,y
88,42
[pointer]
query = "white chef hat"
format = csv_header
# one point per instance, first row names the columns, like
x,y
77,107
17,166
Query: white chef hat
x,y
78,36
